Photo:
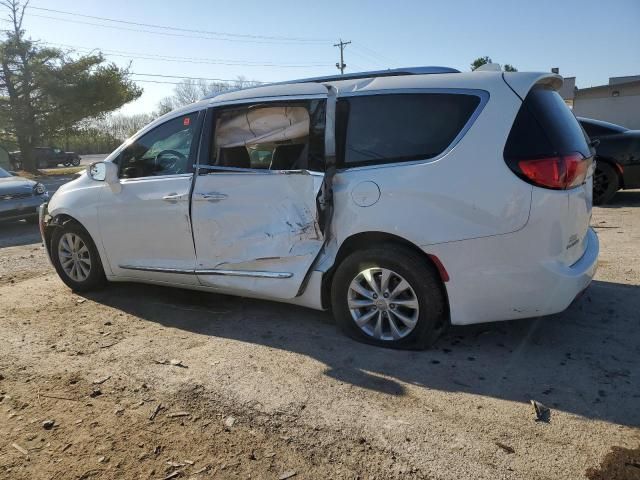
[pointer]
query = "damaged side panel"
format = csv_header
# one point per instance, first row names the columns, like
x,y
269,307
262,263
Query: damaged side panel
x,y
262,237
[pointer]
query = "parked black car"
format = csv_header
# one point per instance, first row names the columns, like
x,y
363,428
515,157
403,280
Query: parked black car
x,y
48,157
617,158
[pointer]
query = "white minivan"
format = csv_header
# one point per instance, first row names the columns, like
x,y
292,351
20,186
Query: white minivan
x,y
403,200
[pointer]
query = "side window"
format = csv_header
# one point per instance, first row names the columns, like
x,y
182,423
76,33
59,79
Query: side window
x,y
270,136
168,149
377,129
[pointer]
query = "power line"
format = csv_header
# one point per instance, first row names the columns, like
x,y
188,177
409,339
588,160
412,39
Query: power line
x,y
373,53
157,81
189,78
168,58
138,30
369,60
342,46
199,37
167,27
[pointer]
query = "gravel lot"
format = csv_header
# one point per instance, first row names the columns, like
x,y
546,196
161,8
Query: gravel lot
x,y
144,382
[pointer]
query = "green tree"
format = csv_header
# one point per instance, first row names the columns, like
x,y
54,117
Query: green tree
x,y
478,62
45,92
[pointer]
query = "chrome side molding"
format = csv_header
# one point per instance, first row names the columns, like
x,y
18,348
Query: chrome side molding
x,y
245,273
157,269
215,271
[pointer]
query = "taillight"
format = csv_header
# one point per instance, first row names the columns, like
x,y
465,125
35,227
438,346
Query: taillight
x,y
559,172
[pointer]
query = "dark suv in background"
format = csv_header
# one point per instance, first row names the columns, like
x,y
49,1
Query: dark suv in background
x,y
48,157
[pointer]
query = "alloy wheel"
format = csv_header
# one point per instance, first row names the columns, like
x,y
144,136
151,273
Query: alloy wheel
x,y
74,257
600,182
383,304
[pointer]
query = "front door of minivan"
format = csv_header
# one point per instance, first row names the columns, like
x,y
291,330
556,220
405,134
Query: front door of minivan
x,y
144,225
254,207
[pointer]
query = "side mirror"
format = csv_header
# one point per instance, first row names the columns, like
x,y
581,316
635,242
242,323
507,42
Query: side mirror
x,y
105,172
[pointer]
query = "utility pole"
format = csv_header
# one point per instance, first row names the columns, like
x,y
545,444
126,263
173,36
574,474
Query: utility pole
x,y
341,65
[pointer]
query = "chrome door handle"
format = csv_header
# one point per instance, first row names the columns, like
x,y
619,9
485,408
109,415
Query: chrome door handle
x,y
172,197
213,196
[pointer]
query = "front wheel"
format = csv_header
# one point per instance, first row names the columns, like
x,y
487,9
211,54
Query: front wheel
x,y
76,259
75,162
605,183
389,296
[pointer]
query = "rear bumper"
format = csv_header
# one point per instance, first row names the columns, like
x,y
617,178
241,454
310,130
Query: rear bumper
x,y
494,279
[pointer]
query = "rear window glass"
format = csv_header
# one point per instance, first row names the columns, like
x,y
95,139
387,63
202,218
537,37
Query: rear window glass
x,y
545,126
400,127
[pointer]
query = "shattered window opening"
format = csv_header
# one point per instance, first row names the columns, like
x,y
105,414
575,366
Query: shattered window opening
x,y
270,136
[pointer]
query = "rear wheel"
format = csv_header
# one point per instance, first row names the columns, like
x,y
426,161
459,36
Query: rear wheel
x,y
76,259
605,183
389,296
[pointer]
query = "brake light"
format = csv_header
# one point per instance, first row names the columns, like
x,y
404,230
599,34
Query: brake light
x,y
558,172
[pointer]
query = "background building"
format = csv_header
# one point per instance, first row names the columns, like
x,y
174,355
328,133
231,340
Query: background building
x,y
617,102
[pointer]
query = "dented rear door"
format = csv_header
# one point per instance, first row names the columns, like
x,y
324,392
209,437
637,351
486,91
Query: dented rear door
x,y
257,229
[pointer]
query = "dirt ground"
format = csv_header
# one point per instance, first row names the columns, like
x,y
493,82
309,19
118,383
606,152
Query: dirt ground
x,y
149,382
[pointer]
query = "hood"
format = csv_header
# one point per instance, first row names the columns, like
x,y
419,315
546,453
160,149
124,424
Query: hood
x,y
11,185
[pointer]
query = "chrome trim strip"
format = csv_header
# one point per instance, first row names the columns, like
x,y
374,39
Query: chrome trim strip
x,y
215,271
257,171
245,273
155,177
158,269
259,99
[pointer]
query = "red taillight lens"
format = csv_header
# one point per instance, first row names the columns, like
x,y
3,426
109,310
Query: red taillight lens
x,y
559,173
577,169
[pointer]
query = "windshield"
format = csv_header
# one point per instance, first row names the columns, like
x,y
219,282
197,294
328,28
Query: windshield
x,y
4,173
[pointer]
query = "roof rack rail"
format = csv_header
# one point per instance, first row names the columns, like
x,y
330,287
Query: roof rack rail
x,y
393,72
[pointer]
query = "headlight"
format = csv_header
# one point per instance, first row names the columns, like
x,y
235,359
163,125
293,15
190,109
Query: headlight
x,y
39,189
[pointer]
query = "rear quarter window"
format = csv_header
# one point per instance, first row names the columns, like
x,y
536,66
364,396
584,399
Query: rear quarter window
x,y
545,126
376,129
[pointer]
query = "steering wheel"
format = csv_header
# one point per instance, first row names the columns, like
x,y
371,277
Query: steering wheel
x,y
176,164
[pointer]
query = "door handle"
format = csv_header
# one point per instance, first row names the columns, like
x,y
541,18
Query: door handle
x,y
172,197
213,196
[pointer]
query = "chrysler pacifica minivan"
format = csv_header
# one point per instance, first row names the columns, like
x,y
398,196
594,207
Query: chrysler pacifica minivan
x,y
403,201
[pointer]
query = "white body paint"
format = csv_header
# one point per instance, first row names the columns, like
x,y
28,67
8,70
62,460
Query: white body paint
x,y
506,245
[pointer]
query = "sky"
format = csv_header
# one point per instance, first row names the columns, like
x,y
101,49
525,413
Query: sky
x,y
280,40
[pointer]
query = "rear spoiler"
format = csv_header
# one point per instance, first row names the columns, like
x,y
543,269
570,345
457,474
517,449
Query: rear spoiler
x,y
522,82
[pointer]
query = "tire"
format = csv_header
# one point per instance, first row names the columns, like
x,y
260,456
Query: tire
x,y
75,162
62,244
425,290
605,183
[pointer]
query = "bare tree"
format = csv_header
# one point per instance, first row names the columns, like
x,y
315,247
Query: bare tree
x,y
190,91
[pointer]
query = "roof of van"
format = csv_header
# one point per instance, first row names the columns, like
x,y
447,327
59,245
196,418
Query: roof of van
x,y
397,79
409,77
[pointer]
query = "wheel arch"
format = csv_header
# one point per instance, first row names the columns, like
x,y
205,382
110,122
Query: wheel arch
x,y
59,220
363,240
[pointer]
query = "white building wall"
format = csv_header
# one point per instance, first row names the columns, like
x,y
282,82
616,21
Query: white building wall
x,y
623,110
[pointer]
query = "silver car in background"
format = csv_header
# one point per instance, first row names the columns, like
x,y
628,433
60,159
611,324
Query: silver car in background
x,y
20,197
